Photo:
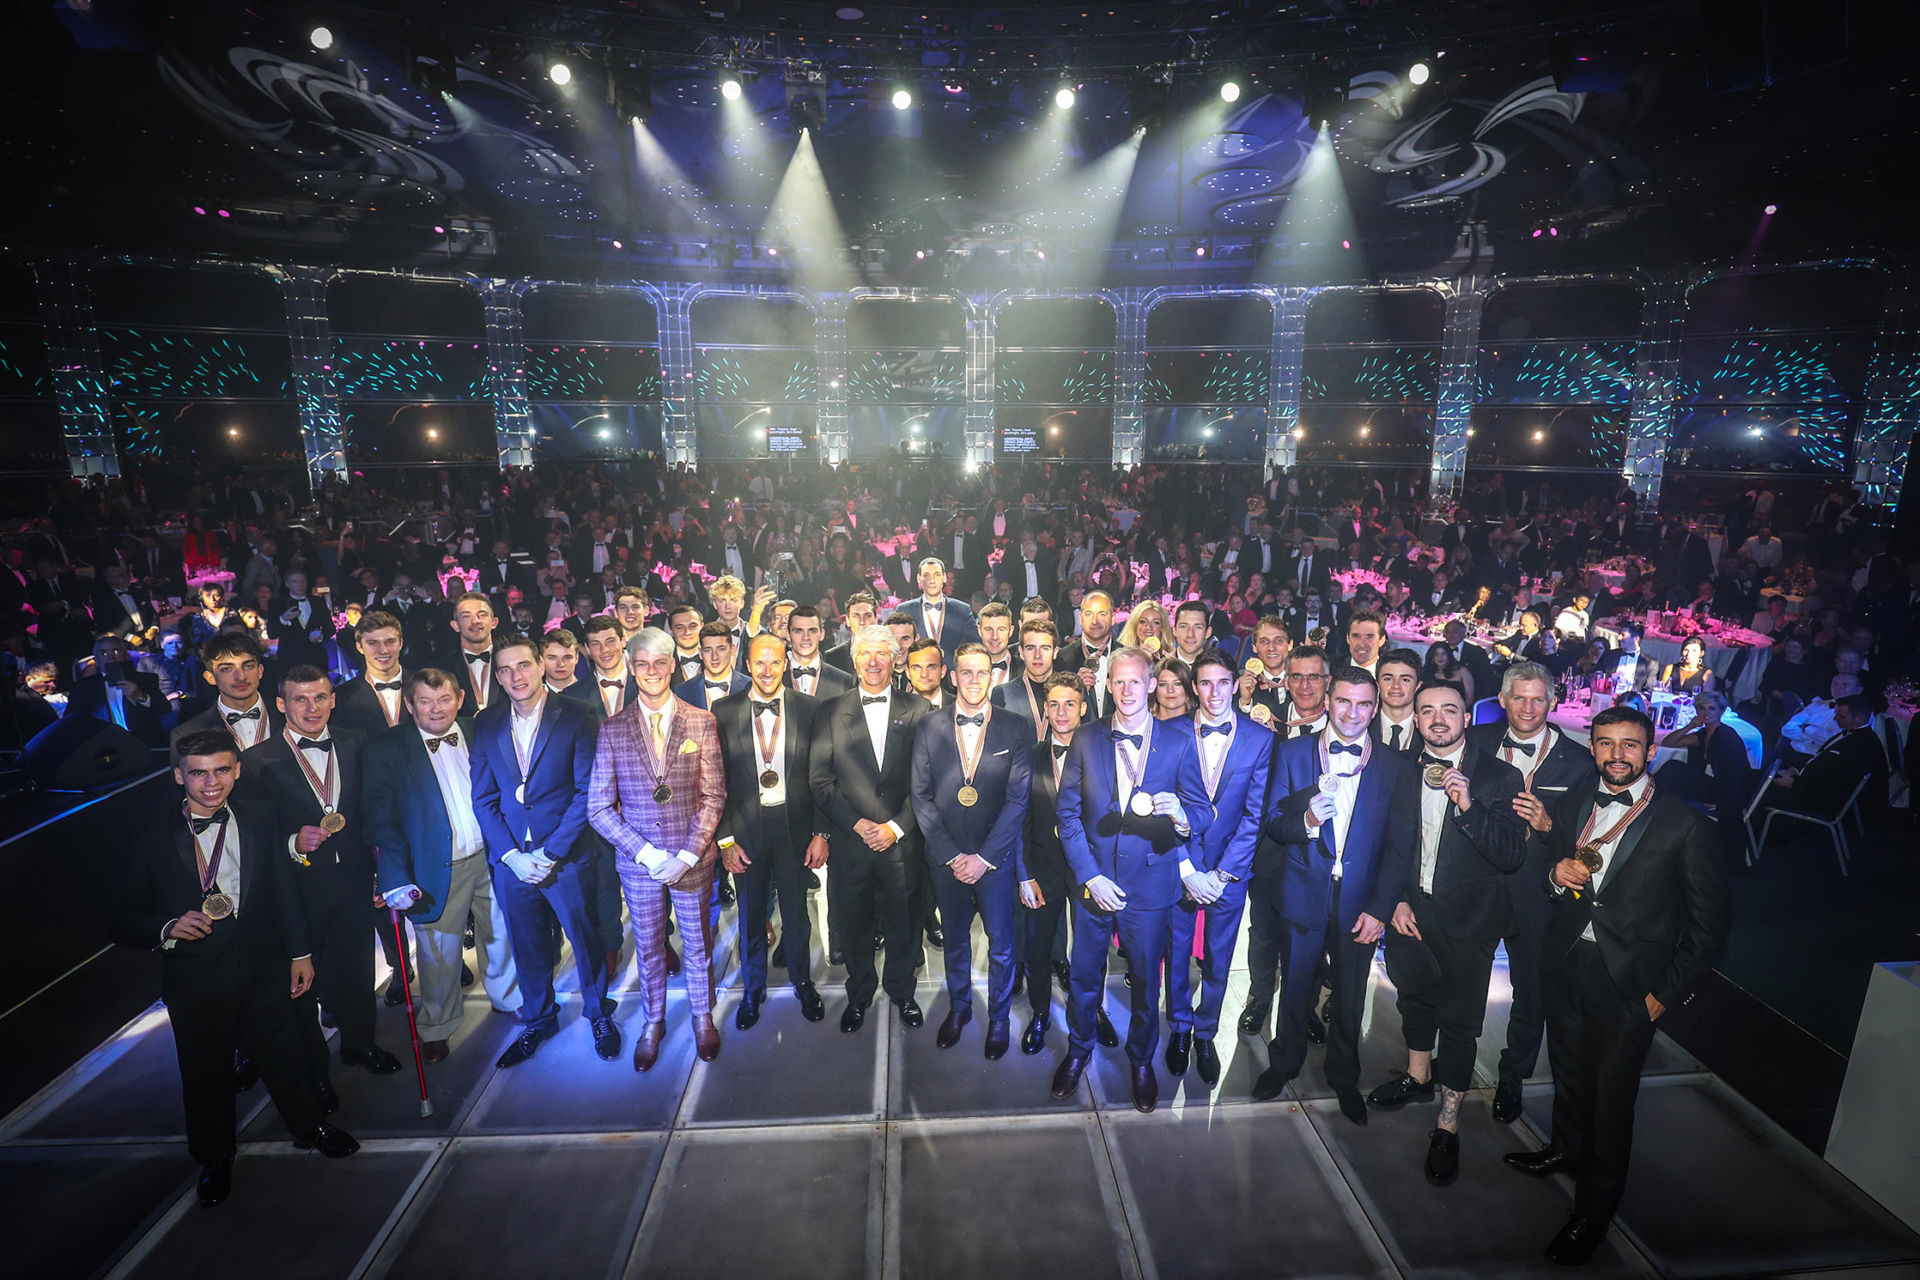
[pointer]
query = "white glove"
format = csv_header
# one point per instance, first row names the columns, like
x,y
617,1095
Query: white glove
x,y
530,869
1322,809
1201,887
1106,895
669,871
1168,804
403,897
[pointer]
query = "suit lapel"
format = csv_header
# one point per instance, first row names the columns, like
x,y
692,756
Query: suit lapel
x,y
1629,842
183,849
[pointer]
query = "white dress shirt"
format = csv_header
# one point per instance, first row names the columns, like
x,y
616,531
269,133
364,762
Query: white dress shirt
x,y
959,551
525,728
1032,578
612,701
1541,741
480,674
245,732
450,770
1602,825
879,716
775,795
1433,816
225,880
1406,727
1127,757
1346,772
933,614
806,675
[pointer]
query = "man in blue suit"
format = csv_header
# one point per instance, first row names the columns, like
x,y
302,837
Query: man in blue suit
x,y
1344,821
532,764
431,854
1235,754
1131,804
719,676
935,616
971,775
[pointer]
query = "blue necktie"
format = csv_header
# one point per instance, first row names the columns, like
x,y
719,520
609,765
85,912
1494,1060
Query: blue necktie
x,y
964,721
1336,748
1118,736
1206,729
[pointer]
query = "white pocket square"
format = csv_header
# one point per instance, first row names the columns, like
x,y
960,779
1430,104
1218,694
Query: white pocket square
x,y
1549,788
1001,753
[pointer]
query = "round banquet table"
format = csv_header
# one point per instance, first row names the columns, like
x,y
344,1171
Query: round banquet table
x,y
1721,651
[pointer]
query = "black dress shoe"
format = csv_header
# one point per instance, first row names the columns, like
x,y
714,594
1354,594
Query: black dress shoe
x,y
1506,1100
396,992
324,1095
1576,1242
1316,1029
747,1014
1127,979
726,892
999,1034
1066,1076
1179,1052
1253,1020
1146,1087
1270,1084
330,1142
812,1007
1399,1091
1103,1029
522,1047
246,1073
606,1038
466,937
853,1017
1019,981
1063,972
1034,1038
910,1014
466,976
376,1060
813,881
1353,1106
1207,1062
1443,1157
216,1179
837,957
949,1033
1539,1164
935,938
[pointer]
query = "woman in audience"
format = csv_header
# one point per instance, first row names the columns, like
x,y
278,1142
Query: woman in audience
x,y
1691,674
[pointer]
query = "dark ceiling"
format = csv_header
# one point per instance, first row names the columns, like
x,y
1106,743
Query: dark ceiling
x,y
1558,136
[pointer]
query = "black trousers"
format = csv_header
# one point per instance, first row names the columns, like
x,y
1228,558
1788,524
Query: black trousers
x,y
1597,1040
216,1006
1270,952
776,868
1525,940
1042,942
879,892
1455,1011
1346,1002
342,976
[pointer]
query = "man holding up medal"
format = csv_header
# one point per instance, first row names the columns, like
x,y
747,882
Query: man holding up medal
x,y
971,774
1131,802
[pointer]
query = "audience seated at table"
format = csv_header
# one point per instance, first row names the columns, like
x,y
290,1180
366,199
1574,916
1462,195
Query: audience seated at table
x,y
1854,751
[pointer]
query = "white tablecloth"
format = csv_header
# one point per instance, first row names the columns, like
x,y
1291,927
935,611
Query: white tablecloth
x,y
1665,650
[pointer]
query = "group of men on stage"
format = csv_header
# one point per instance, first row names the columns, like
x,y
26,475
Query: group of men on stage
x,y
1006,777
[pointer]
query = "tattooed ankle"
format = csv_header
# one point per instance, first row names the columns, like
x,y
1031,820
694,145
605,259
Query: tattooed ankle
x,y
1450,1107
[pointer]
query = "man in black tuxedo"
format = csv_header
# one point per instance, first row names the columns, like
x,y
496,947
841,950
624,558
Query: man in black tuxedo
x,y
1470,837
1086,655
471,657
118,608
1043,894
310,776
209,888
1031,573
1395,725
861,775
118,694
233,662
862,610
1310,569
1628,941
1552,766
1025,695
302,624
498,572
683,623
1823,784
609,685
807,669
995,627
771,835
374,701
971,784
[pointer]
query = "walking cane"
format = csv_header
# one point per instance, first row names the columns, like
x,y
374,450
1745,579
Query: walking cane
x,y
413,1032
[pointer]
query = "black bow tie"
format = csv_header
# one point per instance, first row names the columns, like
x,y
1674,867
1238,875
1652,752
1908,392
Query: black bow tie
x,y
613,684
217,818
1206,729
811,673
1429,758
999,666
719,684
314,744
1612,797
384,686
1339,748
445,740
1059,749
234,717
765,708
964,721
480,657
1524,748
1118,736
868,699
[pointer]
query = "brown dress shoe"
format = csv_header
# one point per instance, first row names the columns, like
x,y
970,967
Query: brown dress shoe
x,y
673,959
433,1051
646,1050
706,1038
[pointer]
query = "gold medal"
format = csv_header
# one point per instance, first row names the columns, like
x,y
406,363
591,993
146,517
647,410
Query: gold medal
x,y
217,906
1150,643
1435,776
1589,857
1261,714
769,779
1141,804
968,797
1329,783
333,823
1254,667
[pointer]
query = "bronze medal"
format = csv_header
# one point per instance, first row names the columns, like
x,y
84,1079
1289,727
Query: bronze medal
x,y
968,796
1434,775
217,906
1329,783
662,793
1589,857
333,823
1141,805
769,779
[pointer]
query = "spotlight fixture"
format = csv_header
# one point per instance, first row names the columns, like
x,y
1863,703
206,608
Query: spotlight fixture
x,y
730,86
902,99
1771,209
630,93
1230,91
321,38
1419,73
1064,97
432,63
1324,103
1539,436
561,74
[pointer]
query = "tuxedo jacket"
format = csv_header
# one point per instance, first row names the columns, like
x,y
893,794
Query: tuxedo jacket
x,y
553,815
1013,568
1228,842
1661,913
956,628
215,717
89,698
405,818
357,706
1002,777
342,867
1478,851
586,691
831,681
733,719
1141,855
1411,743
694,692
1044,860
849,784
157,880
1012,699
1075,657
1382,838
1827,779
455,660
1567,768
621,802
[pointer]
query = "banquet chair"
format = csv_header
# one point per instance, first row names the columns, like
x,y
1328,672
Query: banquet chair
x,y
1487,711
1753,804
1835,825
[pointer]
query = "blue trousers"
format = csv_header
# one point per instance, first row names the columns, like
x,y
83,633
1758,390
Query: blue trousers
x,y
568,895
994,897
1144,933
1220,921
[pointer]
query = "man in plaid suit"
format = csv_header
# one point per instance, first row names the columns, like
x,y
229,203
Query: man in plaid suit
x,y
659,786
